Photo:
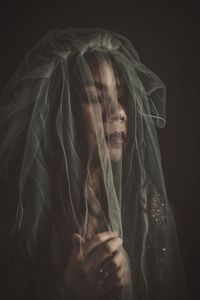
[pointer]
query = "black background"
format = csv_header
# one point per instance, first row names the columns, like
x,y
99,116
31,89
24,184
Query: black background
x,y
166,35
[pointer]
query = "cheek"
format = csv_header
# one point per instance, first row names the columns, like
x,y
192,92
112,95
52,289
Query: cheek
x,y
93,125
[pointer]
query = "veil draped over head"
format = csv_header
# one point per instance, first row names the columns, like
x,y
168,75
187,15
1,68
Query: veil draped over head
x,y
65,169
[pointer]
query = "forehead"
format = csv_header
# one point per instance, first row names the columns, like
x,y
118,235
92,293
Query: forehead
x,y
102,76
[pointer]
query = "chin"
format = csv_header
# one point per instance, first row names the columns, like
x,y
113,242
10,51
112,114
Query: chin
x,y
115,154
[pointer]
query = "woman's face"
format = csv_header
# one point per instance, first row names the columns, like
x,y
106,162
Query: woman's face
x,y
103,112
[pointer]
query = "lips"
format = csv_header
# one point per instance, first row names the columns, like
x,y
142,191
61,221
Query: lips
x,y
116,138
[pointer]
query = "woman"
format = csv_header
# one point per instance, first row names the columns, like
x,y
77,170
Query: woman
x,y
78,125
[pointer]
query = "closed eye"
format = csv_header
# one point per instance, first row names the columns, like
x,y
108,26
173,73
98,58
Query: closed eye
x,y
95,99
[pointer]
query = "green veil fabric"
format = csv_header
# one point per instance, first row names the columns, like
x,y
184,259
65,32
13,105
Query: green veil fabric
x,y
49,161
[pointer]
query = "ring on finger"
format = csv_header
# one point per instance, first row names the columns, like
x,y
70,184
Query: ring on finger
x,y
103,273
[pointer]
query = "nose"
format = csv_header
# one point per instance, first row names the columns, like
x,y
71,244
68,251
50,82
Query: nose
x,y
117,113
122,113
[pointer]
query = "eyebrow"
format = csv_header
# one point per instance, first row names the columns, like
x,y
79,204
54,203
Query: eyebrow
x,y
98,84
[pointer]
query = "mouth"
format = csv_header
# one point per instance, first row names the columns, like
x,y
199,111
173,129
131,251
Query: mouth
x,y
116,139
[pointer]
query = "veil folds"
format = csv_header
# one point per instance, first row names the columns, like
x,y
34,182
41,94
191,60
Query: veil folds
x,y
76,175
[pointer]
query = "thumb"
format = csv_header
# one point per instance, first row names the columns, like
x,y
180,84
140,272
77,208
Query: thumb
x,y
77,240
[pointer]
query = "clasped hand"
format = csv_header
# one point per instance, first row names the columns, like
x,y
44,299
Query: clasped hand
x,y
96,266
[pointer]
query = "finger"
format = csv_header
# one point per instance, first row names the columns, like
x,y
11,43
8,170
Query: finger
x,y
98,239
102,253
77,240
113,263
113,280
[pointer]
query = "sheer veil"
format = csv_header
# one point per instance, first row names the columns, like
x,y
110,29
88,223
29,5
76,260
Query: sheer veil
x,y
62,180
